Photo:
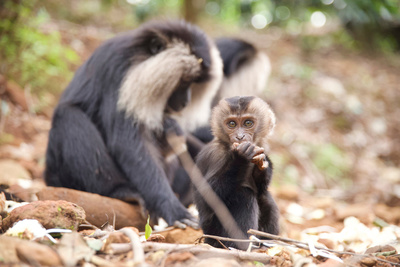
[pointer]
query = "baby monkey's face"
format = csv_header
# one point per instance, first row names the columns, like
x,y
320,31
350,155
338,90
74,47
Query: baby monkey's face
x,y
240,128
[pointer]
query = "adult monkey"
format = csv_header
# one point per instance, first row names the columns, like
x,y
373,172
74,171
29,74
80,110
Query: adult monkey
x,y
109,128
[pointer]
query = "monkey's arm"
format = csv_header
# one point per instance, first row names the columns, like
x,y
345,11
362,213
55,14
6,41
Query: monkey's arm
x,y
269,214
226,169
262,168
135,158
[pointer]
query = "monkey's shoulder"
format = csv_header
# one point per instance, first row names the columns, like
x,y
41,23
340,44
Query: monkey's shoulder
x,y
211,154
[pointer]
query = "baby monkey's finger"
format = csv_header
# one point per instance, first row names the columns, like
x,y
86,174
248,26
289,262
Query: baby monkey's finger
x,y
235,146
258,158
258,150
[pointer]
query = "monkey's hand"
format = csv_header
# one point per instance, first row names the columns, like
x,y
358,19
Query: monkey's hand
x,y
260,161
171,126
252,153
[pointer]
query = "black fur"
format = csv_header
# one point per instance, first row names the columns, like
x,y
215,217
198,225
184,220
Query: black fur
x,y
238,182
93,146
251,209
235,53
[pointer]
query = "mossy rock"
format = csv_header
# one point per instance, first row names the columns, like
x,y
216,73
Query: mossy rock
x,y
51,214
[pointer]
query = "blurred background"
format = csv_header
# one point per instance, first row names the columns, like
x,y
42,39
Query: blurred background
x,y
335,87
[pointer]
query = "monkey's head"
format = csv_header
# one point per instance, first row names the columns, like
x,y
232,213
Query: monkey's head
x,y
242,118
172,65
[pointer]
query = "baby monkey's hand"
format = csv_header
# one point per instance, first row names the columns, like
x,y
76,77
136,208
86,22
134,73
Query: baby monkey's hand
x,y
251,152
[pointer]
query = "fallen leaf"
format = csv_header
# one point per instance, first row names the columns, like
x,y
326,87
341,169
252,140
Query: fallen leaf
x,y
72,248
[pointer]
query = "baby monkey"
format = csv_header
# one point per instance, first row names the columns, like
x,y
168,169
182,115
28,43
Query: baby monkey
x,y
237,169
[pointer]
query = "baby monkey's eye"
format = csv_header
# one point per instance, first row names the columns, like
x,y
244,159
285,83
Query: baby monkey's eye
x,y
248,123
231,124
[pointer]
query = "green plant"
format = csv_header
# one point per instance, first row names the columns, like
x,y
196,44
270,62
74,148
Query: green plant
x,y
30,55
148,230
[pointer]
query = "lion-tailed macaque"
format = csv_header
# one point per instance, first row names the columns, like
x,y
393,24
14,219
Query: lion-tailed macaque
x,y
237,168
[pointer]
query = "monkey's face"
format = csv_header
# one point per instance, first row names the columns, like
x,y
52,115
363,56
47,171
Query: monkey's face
x,y
240,129
242,119
167,61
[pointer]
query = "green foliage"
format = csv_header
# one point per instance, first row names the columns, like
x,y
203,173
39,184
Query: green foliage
x,y
371,22
147,230
28,54
332,162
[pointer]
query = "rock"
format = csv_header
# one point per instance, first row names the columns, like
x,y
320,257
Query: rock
x,y
376,249
182,236
51,214
34,254
368,262
99,209
13,250
11,171
156,238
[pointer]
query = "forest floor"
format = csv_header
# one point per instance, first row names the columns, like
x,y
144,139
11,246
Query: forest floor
x,y
336,149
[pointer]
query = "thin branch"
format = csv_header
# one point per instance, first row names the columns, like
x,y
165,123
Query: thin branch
x,y
306,246
207,251
228,239
137,248
199,250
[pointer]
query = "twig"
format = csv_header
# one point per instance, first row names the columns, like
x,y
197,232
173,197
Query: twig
x,y
228,239
207,251
305,246
138,253
203,250
276,237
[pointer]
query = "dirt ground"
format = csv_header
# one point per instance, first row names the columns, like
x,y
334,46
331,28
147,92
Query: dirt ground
x,y
336,148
